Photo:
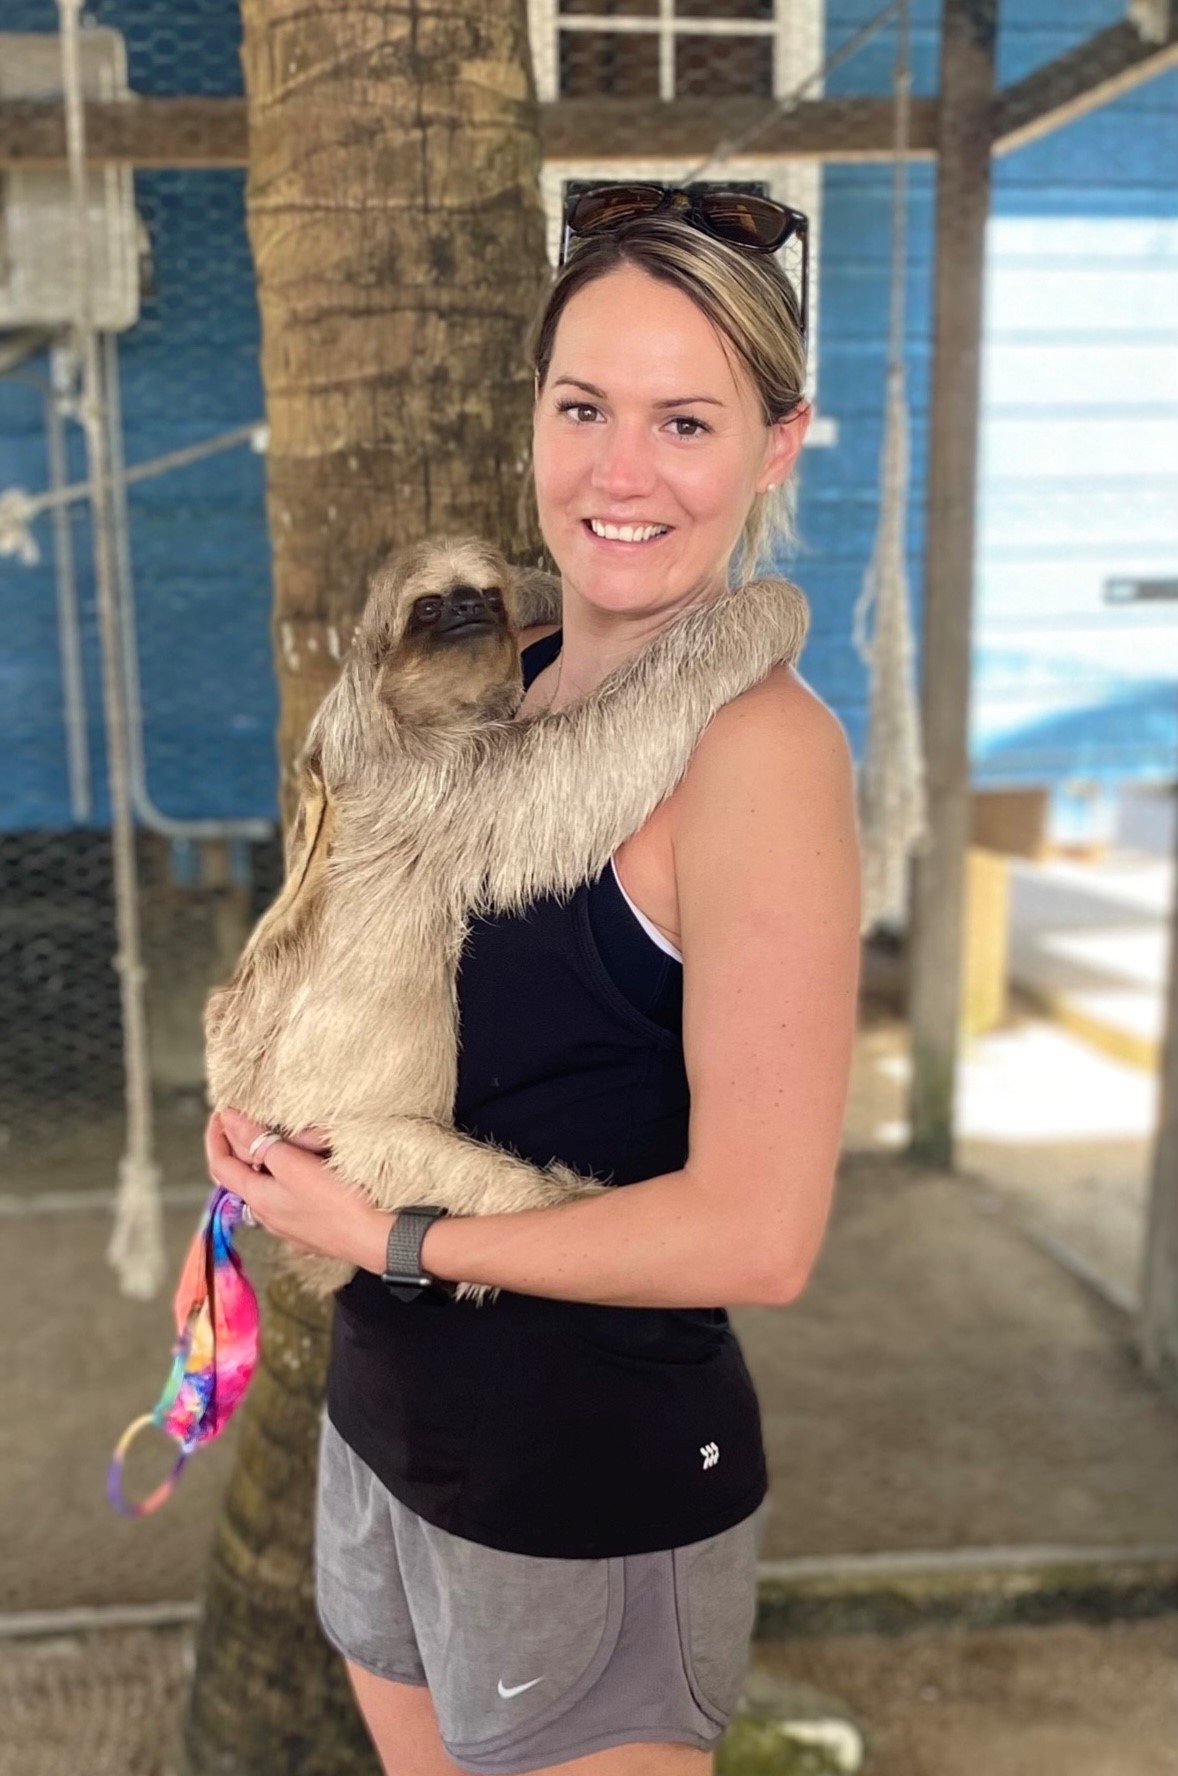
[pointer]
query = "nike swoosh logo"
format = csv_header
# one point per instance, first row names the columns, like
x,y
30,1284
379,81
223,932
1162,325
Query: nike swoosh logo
x,y
517,1689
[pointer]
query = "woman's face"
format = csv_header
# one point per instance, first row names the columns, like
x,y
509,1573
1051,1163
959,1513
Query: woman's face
x,y
647,420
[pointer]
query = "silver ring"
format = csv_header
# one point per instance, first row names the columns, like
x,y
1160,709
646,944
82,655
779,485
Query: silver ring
x,y
249,1219
262,1144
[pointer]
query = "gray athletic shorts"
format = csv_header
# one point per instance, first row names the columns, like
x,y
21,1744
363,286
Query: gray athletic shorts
x,y
530,1661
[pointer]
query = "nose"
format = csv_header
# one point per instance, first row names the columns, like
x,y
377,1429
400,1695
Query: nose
x,y
624,462
467,603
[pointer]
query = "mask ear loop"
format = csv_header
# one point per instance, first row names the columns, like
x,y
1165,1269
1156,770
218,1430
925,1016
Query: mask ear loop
x,y
114,1474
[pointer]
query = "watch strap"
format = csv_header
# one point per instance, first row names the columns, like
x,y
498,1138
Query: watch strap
x,y
403,1274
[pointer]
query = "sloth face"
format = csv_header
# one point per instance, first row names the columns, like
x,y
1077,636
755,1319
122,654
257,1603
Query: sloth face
x,y
439,633
460,614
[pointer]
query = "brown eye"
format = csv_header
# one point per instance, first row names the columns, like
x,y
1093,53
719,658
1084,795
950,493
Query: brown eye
x,y
427,610
493,598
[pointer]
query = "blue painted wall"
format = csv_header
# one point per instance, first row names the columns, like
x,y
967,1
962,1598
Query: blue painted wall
x,y
199,542
1079,445
200,550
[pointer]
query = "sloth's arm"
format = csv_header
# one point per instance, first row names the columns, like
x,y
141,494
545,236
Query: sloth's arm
x,y
552,798
443,1166
422,1161
308,849
551,803
539,597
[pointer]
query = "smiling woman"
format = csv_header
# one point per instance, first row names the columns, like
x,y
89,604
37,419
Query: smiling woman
x,y
696,340
580,1462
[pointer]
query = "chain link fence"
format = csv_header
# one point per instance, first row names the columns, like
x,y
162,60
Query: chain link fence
x,y
172,290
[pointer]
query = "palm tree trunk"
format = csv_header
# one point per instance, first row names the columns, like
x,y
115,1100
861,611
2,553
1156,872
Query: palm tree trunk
x,y
398,237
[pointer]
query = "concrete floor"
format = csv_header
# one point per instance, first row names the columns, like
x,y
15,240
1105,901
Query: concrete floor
x,y
1060,1130
1008,1702
1090,940
1061,1701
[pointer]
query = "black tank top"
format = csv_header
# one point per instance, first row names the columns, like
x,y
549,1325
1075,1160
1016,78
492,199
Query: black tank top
x,y
540,1426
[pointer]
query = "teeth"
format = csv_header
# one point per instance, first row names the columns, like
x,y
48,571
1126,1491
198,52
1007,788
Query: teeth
x,y
627,533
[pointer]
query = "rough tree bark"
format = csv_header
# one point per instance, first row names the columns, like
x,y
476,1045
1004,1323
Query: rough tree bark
x,y
398,238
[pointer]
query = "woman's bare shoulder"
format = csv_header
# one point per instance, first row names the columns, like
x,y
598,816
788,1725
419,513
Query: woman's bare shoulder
x,y
779,734
782,711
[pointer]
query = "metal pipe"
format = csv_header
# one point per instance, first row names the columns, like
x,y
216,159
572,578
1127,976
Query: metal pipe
x,y
69,634
146,809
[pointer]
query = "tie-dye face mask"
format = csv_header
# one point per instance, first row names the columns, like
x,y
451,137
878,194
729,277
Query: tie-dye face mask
x,y
213,1358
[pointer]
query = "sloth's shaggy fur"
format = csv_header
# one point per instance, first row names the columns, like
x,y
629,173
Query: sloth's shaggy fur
x,y
423,802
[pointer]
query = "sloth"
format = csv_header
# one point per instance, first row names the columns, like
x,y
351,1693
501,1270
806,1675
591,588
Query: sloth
x,y
423,803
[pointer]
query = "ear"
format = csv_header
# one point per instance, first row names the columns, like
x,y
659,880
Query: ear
x,y
308,847
788,436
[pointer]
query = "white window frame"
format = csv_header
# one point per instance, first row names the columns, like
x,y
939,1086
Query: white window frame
x,y
38,276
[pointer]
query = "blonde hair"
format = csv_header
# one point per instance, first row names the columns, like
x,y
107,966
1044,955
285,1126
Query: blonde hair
x,y
747,298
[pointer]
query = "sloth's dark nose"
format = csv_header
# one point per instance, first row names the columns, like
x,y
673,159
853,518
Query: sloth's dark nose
x,y
467,603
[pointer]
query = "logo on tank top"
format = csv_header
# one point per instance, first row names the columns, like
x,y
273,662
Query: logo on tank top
x,y
710,1453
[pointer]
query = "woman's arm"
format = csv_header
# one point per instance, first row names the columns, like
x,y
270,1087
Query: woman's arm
x,y
767,873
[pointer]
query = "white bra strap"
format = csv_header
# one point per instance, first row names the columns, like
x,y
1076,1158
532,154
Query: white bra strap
x,y
652,931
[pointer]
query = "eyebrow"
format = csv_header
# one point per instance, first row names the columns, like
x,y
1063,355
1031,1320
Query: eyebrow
x,y
678,401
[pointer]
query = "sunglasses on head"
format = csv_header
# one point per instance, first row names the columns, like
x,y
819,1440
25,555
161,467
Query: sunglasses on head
x,y
740,215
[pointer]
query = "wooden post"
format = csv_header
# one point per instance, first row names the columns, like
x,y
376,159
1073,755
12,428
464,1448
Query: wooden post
x,y
1159,1278
968,31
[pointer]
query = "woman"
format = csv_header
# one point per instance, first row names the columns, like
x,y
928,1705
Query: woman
x,y
539,1519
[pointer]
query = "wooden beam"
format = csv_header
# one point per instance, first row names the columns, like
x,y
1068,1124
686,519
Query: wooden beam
x,y
844,129
1159,1278
968,32
1107,65
163,132
186,132
204,132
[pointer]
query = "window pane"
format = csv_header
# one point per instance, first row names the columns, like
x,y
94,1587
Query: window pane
x,y
609,64
724,9
715,67
628,8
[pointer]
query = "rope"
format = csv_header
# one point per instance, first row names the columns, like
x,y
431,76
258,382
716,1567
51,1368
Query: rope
x,y
18,509
782,107
891,774
1150,19
136,1245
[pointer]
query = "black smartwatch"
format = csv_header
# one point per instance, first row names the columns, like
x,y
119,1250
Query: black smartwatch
x,y
403,1275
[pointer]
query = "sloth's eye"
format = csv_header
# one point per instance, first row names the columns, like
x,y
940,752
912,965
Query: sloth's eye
x,y
493,598
427,610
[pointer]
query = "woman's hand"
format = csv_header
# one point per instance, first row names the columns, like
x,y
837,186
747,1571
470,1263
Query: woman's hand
x,y
294,1194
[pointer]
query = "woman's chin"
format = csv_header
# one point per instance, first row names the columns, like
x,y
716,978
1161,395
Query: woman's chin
x,y
618,577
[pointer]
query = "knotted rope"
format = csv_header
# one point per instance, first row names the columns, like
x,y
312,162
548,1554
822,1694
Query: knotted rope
x,y
136,1246
891,773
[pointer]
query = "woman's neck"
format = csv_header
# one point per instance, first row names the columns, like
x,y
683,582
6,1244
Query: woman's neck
x,y
595,643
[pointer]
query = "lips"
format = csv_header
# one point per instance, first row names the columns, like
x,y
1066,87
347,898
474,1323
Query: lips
x,y
471,626
621,542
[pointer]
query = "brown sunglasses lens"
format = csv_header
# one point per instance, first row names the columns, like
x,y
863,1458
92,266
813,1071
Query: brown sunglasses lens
x,y
737,216
740,216
612,204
